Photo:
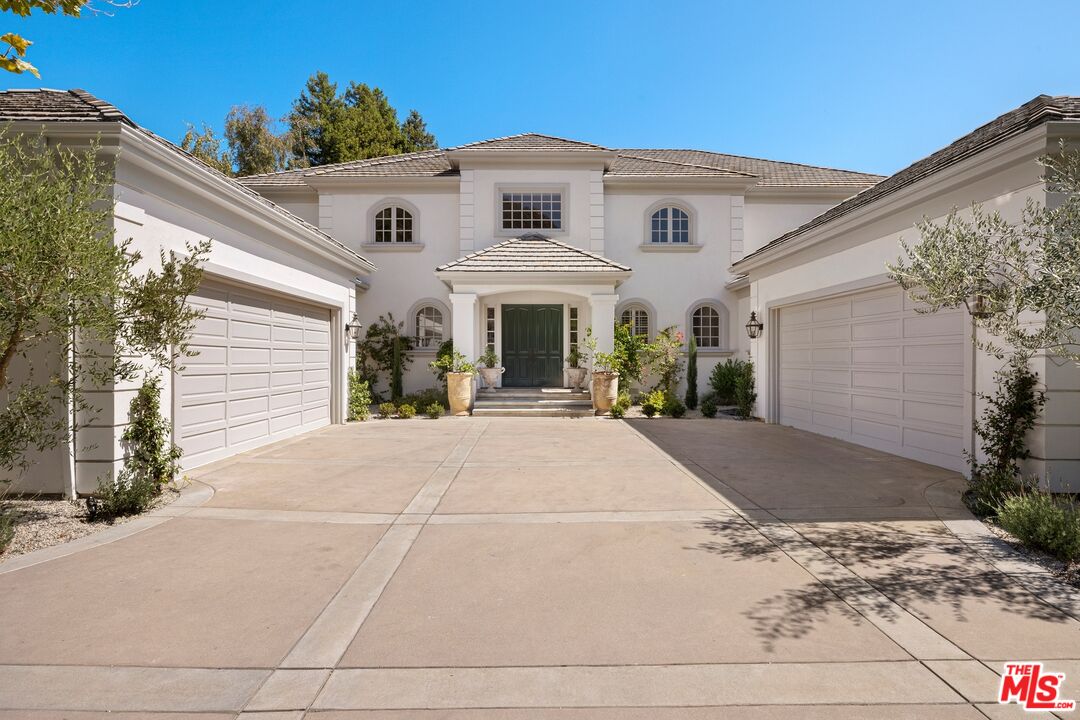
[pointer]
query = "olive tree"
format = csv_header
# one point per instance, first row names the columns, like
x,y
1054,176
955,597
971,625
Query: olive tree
x,y
1020,280
77,309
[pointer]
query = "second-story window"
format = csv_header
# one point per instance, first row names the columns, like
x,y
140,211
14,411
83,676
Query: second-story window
x,y
393,225
532,211
670,225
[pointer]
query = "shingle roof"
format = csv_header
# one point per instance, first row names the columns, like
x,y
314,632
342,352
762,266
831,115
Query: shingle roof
x,y
46,105
534,253
627,163
1035,112
530,141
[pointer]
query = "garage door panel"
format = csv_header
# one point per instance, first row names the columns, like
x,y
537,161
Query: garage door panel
x,y
933,383
880,330
839,378
877,430
207,354
831,334
889,407
876,355
827,312
880,304
264,373
951,354
947,324
885,377
939,413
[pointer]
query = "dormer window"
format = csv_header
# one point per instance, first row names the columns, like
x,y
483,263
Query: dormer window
x,y
393,225
532,210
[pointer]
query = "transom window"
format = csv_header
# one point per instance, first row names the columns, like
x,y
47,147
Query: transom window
x,y
532,211
706,327
429,327
670,225
637,317
393,224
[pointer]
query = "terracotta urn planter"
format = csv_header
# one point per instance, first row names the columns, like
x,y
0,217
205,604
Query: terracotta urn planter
x,y
491,375
575,376
459,388
605,390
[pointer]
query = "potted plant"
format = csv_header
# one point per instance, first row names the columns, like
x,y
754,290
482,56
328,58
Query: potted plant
x,y
490,370
575,374
459,374
605,377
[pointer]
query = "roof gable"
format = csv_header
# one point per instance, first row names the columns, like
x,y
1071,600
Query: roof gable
x,y
530,141
533,253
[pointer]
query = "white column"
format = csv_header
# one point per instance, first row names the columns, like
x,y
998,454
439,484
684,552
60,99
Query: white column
x,y
602,313
463,308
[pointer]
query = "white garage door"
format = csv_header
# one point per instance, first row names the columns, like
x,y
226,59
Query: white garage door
x,y
262,373
868,369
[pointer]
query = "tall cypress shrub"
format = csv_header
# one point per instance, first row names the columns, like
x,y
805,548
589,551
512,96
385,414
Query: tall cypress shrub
x,y
691,376
396,371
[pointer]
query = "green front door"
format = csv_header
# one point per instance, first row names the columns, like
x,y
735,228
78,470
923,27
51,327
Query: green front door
x,y
532,345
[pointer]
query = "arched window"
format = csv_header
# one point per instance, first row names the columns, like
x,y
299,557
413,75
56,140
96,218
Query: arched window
x,y
637,317
429,327
708,327
670,224
393,225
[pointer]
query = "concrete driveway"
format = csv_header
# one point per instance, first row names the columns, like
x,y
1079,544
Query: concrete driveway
x,y
477,569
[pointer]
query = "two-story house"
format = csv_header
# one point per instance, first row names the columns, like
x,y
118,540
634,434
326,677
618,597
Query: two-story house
x,y
521,243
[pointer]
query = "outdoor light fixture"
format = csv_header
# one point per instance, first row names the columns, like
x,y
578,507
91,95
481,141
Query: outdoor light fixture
x,y
978,305
754,326
352,328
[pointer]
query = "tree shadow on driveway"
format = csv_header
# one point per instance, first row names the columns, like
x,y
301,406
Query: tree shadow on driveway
x,y
860,523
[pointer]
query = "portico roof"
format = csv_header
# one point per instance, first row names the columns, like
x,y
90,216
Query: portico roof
x,y
534,254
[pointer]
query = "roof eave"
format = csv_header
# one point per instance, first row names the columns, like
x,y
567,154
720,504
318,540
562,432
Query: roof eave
x,y
690,181
339,181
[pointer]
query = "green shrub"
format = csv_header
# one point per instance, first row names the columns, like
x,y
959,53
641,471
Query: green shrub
x,y
397,368
1041,521
722,380
455,362
1009,414
488,358
426,397
130,494
7,527
708,405
152,459
691,375
359,397
654,402
386,410
987,491
674,407
622,404
434,410
406,411
385,349
745,394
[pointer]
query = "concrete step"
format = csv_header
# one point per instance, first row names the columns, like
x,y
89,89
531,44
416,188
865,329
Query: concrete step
x,y
500,401
531,411
531,393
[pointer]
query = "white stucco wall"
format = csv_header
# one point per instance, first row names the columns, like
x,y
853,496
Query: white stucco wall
x,y
770,217
858,253
161,213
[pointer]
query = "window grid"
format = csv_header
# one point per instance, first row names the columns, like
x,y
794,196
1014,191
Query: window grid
x,y
429,327
573,329
393,224
490,328
637,318
670,225
531,211
706,327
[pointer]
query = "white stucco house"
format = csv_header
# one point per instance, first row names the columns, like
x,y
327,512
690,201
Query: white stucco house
x,y
521,243
277,291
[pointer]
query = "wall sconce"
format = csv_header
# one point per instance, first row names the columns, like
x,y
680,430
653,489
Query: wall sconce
x,y
352,328
754,326
978,305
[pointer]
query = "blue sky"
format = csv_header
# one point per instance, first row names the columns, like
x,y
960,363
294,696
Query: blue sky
x,y
869,86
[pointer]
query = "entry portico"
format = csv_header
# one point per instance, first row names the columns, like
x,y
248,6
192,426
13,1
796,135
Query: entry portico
x,y
531,299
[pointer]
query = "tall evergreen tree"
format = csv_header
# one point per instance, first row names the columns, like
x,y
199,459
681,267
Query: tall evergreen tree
x,y
372,121
318,123
415,135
